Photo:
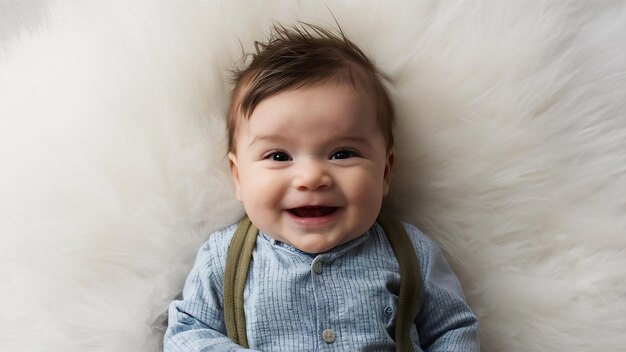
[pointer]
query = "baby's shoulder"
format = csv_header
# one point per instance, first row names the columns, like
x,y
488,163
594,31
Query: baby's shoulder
x,y
219,238
214,249
429,255
423,245
418,238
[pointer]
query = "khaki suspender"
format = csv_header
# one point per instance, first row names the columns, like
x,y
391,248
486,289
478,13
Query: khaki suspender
x,y
240,252
410,296
238,256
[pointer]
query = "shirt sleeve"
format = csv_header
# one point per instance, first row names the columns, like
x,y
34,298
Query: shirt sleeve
x,y
445,322
196,322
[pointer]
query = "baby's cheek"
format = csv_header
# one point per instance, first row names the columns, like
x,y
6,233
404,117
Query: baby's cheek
x,y
366,185
268,192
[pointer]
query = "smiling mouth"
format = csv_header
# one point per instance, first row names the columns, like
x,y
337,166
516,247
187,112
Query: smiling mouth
x,y
312,212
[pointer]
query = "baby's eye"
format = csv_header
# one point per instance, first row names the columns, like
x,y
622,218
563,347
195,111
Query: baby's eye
x,y
278,156
343,154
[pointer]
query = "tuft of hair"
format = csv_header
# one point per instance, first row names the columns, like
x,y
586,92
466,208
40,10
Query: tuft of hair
x,y
305,55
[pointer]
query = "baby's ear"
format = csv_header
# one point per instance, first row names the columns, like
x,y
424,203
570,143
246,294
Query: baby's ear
x,y
232,159
391,156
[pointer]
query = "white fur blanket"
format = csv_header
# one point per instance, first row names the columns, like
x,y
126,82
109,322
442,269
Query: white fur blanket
x,y
511,154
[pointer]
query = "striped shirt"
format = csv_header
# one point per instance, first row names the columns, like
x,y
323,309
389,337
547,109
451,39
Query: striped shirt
x,y
344,299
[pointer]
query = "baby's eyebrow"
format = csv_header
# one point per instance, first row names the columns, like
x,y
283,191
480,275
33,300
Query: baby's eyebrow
x,y
274,138
351,138
267,137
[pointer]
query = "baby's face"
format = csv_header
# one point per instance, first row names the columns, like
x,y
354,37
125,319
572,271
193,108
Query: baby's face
x,y
311,166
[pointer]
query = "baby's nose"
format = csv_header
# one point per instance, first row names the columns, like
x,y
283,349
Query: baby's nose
x,y
312,175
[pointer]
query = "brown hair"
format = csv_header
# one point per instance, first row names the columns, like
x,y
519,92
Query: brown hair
x,y
304,55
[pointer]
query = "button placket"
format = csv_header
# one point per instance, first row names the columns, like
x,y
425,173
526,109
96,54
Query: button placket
x,y
326,304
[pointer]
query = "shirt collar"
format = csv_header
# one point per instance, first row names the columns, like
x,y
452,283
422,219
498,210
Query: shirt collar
x,y
331,254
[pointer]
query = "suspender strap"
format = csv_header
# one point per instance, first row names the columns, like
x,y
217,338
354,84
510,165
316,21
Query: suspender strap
x,y
410,281
238,261
238,257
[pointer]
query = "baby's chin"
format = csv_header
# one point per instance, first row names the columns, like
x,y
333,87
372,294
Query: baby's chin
x,y
314,248
318,243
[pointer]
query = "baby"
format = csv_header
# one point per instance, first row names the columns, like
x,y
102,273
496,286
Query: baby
x,y
311,153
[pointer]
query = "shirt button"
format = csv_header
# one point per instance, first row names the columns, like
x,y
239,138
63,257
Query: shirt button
x,y
317,267
328,336
388,312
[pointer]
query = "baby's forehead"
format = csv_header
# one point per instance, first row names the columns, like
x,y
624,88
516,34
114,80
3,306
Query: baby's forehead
x,y
332,111
330,97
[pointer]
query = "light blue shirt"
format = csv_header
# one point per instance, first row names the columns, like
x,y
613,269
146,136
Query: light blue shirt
x,y
341,300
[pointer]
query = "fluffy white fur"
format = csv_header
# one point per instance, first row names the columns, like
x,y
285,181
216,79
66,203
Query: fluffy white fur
x,y
511,154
